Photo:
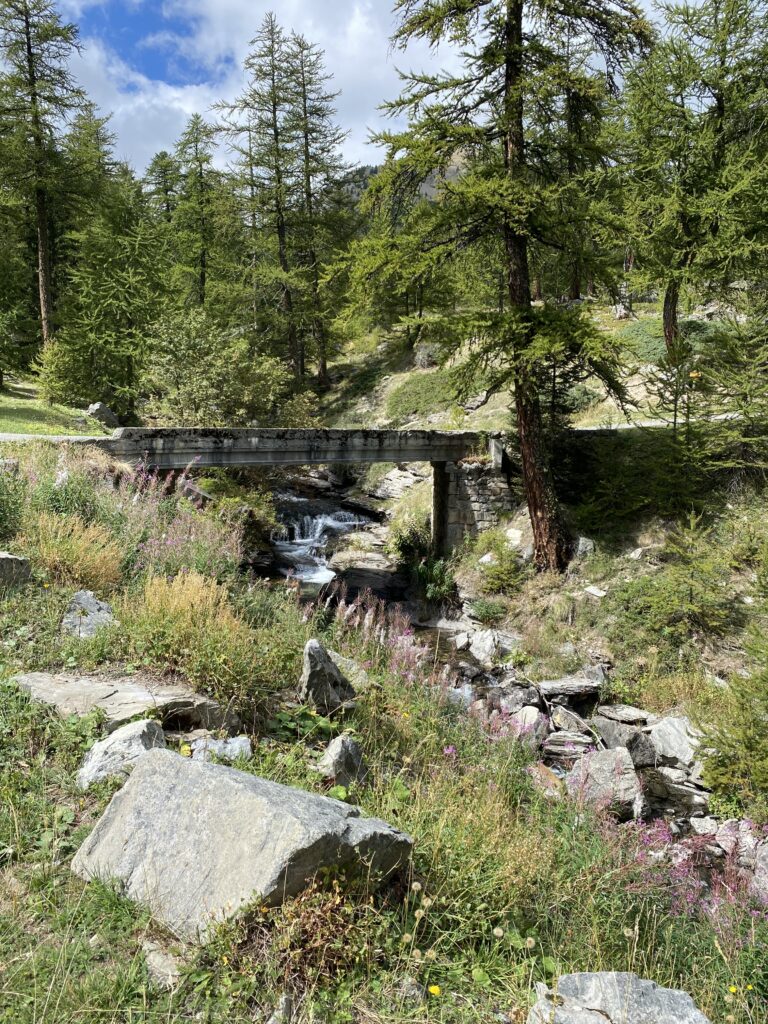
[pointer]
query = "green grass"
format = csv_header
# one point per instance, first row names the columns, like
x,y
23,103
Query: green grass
x,y
505,889
22,412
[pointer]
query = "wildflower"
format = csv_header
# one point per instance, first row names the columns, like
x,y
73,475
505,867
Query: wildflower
x,y
434,990
416,887
417,954
225,960
732,989
449,751
750,988
430,955
407,938
628,933
419,914
426,902
498,933
530,943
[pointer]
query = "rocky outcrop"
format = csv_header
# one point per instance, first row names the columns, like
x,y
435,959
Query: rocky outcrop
x,y
86,615
123,698
115,755
197,843
489,646
323,686
612,998
14,570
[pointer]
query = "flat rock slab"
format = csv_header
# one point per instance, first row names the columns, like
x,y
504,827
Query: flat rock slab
x,y
198,842
578,686
612,998
123,698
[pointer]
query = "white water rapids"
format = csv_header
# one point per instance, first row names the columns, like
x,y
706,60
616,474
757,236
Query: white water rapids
x,y
302,545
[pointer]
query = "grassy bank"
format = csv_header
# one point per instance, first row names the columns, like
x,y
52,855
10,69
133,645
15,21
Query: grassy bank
x,y
506,888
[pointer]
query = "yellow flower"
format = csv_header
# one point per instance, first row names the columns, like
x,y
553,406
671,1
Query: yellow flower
x,y
434,990
750,988
225,959
185,750
733,989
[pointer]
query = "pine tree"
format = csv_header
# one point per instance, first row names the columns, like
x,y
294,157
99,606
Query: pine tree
x,y
37,94
477,121
162,183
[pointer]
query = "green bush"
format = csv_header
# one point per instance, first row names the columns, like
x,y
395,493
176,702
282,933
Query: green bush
x,y
436,581
737,768
684,600
489,612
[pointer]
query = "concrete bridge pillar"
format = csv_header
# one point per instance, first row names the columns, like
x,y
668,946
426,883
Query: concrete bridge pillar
x,y
441,481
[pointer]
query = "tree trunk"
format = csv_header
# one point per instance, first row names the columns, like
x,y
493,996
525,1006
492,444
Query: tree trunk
x,y
671,329
574,286
550,539
41,195
318,327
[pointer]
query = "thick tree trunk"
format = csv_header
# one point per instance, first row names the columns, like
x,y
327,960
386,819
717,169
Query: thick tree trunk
x,y
574,286
550,539
671,329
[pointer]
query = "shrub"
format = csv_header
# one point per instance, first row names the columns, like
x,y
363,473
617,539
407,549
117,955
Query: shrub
x,y
737,768
686,599
489,612
436,581
72,552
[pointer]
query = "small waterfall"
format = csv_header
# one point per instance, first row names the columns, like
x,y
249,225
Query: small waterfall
x,y
302,541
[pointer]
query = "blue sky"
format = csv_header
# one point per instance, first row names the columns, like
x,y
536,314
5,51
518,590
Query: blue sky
x,y
152,63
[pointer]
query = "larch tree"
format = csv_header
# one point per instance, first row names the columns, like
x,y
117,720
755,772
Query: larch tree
x,y
194,212
322,167
694,151
37,95
263,138
480,117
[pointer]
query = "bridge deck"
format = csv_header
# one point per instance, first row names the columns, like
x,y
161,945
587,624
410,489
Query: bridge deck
x,y
176,448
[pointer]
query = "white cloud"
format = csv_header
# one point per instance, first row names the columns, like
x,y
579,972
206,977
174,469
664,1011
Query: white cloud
x,y
148,114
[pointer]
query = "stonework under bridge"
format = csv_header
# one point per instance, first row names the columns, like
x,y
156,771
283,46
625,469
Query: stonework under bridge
x,y
470,482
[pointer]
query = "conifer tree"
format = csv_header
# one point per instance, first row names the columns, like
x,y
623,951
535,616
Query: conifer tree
x,y
263,138
322,168
694,164
37,94
479,118
194,217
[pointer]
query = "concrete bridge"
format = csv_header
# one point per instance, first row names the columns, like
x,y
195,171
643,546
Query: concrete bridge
x,y
182,448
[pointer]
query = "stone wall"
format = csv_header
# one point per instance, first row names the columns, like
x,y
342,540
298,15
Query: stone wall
x,y
479,497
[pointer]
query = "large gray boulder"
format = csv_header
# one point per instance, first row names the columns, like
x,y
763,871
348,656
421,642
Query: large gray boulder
x,y
615,734
198,842
123,698
675,741
14,569
612,998
322,683
576,687
103,414
118,753
607,779
86,615
490,646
